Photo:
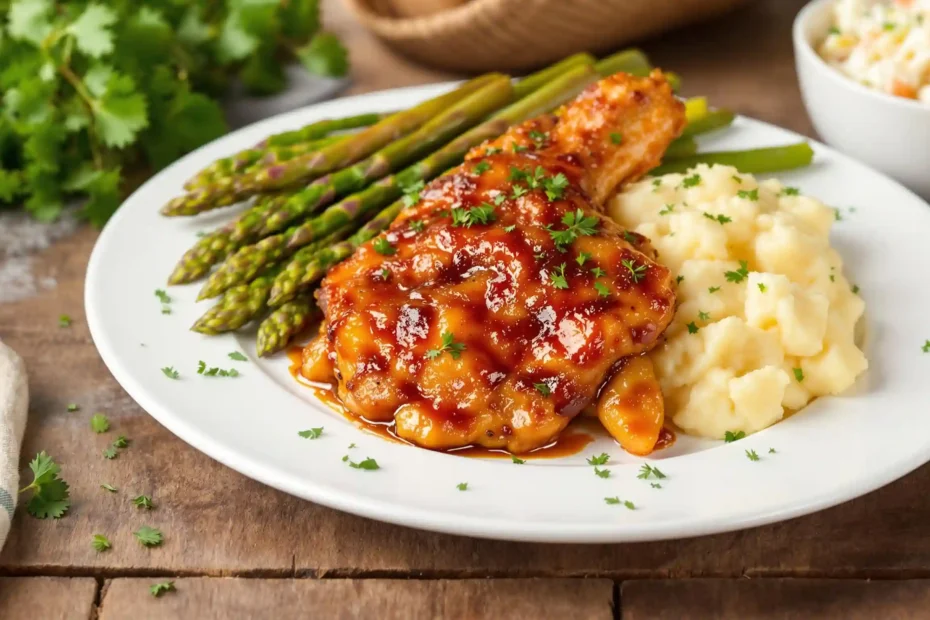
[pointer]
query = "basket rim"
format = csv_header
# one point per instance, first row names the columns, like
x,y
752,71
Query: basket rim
x,y
406,26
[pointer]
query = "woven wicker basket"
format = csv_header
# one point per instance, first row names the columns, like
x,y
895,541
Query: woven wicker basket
x,y
521,34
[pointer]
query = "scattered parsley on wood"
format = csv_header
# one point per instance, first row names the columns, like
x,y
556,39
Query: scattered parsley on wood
x,y
798,374
740,274
752,194
448,344
692,327
143,501
368,464
109,487
170,372
600,459
557,277
64,321
311,433
601,473
751,455
239,357
462,486
383,246
99,423
158,589
730,436
100,543
611,500
50,494
517,461
72,407
647,471
149,536
110,453
637,272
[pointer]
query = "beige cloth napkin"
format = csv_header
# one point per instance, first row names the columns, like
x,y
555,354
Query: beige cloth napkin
x,y
14,401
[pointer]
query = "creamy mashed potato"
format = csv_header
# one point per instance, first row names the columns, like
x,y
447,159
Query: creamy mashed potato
x,y
884,44
766,319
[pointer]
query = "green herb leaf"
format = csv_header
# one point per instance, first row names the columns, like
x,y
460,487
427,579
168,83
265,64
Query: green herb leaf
x,y
751,455
325,56
749,195
692,327
647,471
368,464
143,501
617,138
170,372
99,423
730,436
157,589
517,461
239,357
311,433
100,543
448,344
64,321
462,486
543,388
383,246
557,277
798,374
740,274
692,181
602,473
600,459
109,487
149,536
50,494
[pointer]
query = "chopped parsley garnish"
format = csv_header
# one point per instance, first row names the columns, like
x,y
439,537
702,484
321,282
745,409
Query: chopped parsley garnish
x,y
740,274
462,486
555,186
798,374
616,500
72,407
143,501
751,455
730,436
713,289
668,209
499,199
790,191
148,536
655,485
448,344
855,289
121,442
692,327
110,453
578,224
600,459
384,274
582,258
64,321
837,215
692,181
416,225
538,137
482,214
647,471
617,138
557,277
352,445
598,272
602,290
100,543
383,246
637,272
888,26
719,218
239,357
517,461
493,150
517,191
656,184
510,228
157,589
170,372
543,388
612,500
704,316
163,297
926,347
752,194
833,30
519,148
482,167
108,487
601,473
679,279
369,463
630,237
412,193
99,423
737,179
771,450
50,495
215,371
761,287
311,433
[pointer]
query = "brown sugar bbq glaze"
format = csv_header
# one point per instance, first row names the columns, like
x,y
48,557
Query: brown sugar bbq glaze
x,y
493,310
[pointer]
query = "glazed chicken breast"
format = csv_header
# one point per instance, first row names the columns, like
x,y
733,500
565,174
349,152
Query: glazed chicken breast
x,y
502,303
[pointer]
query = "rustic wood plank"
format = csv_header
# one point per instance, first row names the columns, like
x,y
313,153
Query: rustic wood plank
x,y
207,598
48,598
784,599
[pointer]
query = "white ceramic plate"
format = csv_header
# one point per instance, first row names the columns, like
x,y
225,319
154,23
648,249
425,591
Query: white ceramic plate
x,y
834,450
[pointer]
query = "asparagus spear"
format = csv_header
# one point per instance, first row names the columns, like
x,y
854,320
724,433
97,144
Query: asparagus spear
x,y
248,160
715,119
320,129
312,165
753,160
464,114
204,254
359,205
239,305
682,147
284,323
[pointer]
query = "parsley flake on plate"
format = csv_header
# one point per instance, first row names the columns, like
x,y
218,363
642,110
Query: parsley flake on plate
x,y
713,289
647,471
239,357
598,272
751,455
163,297
602,290
692,181
582,258
170,372
670,207
416,225
412,193
752,194
578,224
730,436
926,347
72,407
704,316
481,167
601,473
600,459
311,433
368,464
516,461
108,487
761,287
719,218
771,450
617,138
462,486
692,327
790,191
798,374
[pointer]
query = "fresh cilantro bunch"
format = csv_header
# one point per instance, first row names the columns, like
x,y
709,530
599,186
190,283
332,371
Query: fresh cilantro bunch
x,y
96,95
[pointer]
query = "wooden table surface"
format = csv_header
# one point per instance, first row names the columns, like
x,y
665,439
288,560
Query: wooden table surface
x,y
236,548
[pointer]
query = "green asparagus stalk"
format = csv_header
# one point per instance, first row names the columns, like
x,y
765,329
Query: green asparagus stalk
x,y
750,161
627,61
312,165
239,305
249,160
286,322
359,205
715,119
198,260
321,129
464,114
682,147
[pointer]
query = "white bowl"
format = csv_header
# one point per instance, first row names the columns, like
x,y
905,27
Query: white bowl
x,y
889,133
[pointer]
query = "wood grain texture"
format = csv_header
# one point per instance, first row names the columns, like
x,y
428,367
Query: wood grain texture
x,y
222,599
46,598
771,599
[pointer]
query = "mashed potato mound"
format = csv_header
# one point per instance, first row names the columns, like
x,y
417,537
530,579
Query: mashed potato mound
x,y
766,321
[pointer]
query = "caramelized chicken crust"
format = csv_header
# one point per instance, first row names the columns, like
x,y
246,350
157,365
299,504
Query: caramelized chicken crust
x,y
494,310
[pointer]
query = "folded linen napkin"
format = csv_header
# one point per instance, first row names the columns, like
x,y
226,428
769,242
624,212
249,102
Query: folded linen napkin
x,y
14,401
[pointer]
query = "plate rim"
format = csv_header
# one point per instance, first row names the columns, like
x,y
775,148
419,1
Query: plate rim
x,y
422,518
